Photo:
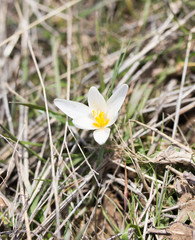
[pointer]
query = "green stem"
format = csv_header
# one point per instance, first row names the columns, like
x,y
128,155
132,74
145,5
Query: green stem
x,y
100,155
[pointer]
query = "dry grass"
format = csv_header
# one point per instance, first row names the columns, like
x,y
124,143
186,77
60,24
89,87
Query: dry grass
x,y
56,182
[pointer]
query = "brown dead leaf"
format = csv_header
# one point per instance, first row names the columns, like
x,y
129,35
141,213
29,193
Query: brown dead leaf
x,y
173,155
179,188
99,224
185,197
189,177
182,187
5,203
181,231
175,231
187,212
2,203
185,183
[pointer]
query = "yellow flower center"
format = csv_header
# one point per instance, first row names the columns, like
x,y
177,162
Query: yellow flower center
x,y
100,119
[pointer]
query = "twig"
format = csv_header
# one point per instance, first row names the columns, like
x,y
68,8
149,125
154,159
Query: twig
x,y
54,183
135,162
24,201
40,20
182,85
74,210
63,205
164,136
133,170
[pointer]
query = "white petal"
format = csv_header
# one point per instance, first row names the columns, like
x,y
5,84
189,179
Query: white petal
x,y
112,116
116,100
84,123
73,109
101,135
95,100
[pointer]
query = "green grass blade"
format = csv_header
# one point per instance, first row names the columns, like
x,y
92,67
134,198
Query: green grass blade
x,y
22,144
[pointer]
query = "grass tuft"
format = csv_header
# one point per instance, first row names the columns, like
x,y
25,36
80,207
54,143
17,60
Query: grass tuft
x,y
56,181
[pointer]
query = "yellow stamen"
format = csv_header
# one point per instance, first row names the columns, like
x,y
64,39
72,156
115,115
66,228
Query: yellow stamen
x,y
100,120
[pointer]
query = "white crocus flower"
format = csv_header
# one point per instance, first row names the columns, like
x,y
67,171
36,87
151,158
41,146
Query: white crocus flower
x,y
100,114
